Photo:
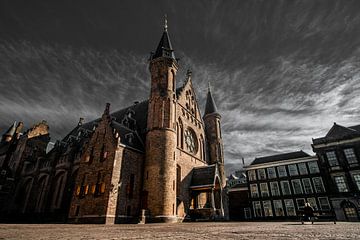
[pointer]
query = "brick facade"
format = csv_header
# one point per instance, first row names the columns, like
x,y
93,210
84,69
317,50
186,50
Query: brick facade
x,y
138,160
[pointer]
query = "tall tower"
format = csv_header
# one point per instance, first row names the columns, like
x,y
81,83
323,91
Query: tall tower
x,y
159,195
215,146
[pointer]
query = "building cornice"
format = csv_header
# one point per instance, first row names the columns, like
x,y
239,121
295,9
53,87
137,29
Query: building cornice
x,y
280,163
335,143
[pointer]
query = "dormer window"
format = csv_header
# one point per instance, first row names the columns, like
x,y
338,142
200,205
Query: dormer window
x,y
125,122
129,138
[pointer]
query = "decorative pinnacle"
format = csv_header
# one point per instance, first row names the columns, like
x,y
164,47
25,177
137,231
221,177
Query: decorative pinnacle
x,y
188,73
107,109
209,87
165,23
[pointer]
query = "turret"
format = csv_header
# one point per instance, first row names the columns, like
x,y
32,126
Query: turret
x,y
159,196
212,120
9,134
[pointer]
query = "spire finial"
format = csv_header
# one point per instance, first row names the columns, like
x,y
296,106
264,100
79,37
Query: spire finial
x,y
165,23
209,87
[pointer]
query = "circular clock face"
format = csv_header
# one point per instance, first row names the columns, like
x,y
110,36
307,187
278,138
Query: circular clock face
x,y
190,141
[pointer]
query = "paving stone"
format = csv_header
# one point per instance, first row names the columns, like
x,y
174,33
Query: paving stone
x,y
228,230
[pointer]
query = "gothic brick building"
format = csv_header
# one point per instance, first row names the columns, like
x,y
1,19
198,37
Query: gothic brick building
x,y
159,160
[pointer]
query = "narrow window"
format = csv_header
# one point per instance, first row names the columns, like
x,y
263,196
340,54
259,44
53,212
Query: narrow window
x,y
264,189
257,209
332,159
324,203
313,167
290,208
252,175
341,184
296,183
293,171
254,190
261,174
350,155
275,191
285,187
307,185
268,212
302,169
103,154
318,185
278,207
282,171
356,178
271,172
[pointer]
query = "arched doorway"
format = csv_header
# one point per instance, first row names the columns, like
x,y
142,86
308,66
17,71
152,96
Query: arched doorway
x,y
350,211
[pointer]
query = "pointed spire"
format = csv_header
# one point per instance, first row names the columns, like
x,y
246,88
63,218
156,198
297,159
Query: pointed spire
x,y
164,48
210,106
8,135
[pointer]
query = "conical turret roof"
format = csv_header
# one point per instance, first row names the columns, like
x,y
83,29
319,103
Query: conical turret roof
x,y
164,48
11,130
210,106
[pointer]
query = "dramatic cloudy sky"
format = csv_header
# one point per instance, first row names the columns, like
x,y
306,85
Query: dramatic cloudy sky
x,y
282,71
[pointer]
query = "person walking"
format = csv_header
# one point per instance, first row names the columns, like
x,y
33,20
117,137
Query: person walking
x,y
308,213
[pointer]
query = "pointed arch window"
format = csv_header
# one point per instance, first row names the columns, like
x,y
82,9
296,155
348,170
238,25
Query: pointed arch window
x,y
180,136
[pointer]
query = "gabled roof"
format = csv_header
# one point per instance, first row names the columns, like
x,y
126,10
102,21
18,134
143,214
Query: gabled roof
x,y
339,132
280,157
139,111
127,136
203,176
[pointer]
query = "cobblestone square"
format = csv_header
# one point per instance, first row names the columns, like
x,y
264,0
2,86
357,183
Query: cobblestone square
x,y
231,230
